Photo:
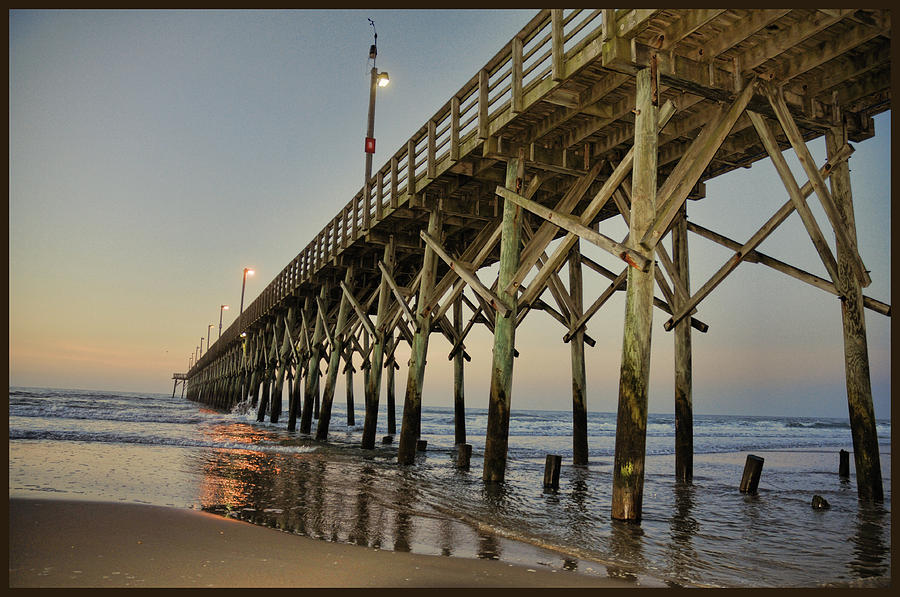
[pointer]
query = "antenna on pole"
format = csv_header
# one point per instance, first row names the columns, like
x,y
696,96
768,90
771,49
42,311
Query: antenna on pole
x,y
373,50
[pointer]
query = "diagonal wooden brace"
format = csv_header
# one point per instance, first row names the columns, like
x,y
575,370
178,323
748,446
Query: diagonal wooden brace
x,y
470,278
367,323
776,99
396,291
798,198
574,226
673,193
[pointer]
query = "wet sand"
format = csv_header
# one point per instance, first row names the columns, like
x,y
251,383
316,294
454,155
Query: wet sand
x,y
62,543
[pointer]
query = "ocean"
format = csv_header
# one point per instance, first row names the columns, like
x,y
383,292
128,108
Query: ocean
x,y
167,451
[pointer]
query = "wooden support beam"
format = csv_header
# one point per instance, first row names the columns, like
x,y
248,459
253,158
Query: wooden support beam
x,y
634,379
579,324
360,312
574,226
459,397
412,404
686,174
576,348
776,99
311,391
612,183
785,268
401,300
856,353
470,278
794,191
547,231
373,384
497,434
684,409
334,361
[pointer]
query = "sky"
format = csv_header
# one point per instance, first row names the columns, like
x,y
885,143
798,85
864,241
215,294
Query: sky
x,y
155,154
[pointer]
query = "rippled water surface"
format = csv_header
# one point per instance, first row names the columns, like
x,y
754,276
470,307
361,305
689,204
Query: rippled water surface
x,y
149,448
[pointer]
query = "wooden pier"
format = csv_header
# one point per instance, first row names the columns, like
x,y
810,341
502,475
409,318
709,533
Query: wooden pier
x,y
583,116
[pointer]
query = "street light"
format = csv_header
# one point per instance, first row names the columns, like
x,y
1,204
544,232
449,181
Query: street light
x,y
221,309
377,80
201,345
250,272
209,327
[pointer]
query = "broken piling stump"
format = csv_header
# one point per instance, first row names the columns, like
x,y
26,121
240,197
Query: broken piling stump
x,y
463,455
421,445
551,471
387,439
820,503
752,472
844,467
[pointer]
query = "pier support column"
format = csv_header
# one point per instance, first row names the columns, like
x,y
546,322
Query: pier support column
x,y
348,371
684,409
311,391
497,434
412,404
334,362
634,377
280,334
856,352
576,345
373,380
459,398
299,381
390,388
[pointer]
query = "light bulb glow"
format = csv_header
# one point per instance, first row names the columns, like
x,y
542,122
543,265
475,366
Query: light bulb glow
x,y
383,79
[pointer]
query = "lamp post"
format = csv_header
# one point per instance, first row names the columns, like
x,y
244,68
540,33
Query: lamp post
x,y
247,272
222,308
377,80
201,345
208,328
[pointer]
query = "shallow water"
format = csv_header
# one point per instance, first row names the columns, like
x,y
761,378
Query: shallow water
x,y
154,449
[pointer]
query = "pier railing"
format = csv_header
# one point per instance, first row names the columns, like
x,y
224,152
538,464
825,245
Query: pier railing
x,y
553,45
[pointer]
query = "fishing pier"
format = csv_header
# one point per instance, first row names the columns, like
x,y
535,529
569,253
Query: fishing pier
x,y
585,115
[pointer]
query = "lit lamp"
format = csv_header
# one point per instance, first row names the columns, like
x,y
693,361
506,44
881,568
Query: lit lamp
x,y
378,80
222,308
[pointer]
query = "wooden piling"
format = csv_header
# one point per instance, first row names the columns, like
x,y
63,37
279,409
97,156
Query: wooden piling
x,y
856,352
299,388
752,472
412,404
334,362
311,391
463,455
459,399
421,445
684,410
348,371
576,346
497,434
634,378
844,465
373,382
390,389
552,467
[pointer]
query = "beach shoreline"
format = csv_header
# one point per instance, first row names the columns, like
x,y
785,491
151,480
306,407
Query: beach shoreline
x,y
70,543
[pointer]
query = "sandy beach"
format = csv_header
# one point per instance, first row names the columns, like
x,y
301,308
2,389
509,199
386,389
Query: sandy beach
x,y
61,543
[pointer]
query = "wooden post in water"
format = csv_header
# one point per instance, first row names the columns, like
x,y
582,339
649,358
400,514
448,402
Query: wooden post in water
x,y
844,464
334,362
576,345
684,410
856,352
412,404
373,382
634,378
459,399
391,388
497,434
283,347
266,377
463,455
552,467
296,397
311,391
348,371
752,472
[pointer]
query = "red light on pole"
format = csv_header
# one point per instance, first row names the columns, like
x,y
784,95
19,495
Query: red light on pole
x,y
370,144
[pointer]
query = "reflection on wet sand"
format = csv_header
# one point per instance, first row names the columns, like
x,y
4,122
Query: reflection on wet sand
x,y
683,527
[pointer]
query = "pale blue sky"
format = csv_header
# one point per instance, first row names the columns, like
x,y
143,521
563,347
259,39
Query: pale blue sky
x,y
153,155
